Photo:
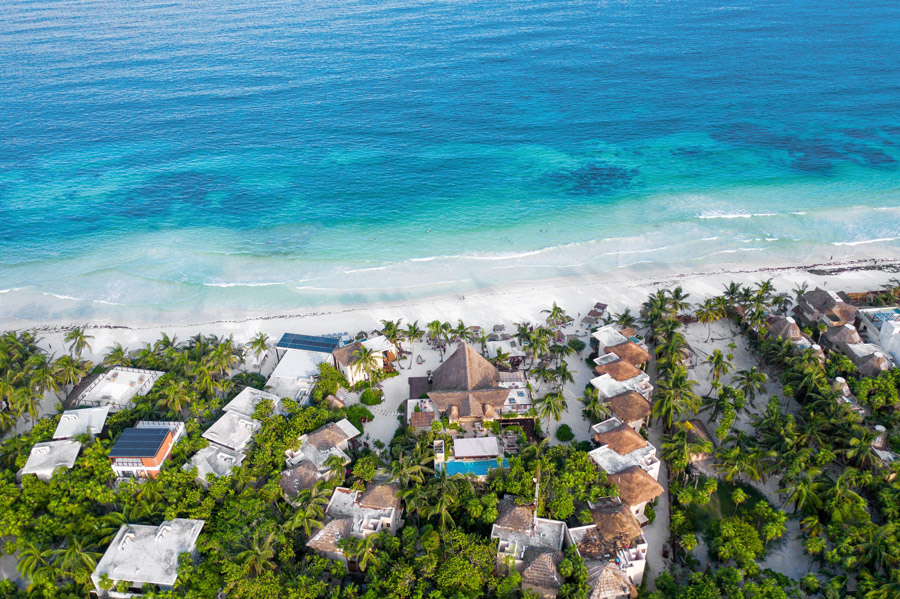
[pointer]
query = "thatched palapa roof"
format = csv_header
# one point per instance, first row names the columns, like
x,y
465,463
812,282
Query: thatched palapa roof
x,y
465,370
630,352
630,406
345,355
623,439
635,485
381,497
609,582
541,571
326,437
303,476
620,370
514,517
327,539
785,328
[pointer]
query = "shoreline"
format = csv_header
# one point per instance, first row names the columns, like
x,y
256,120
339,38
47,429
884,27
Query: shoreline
x,y
499,304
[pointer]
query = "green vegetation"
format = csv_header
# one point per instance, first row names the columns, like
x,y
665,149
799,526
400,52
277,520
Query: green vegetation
x,y
564,433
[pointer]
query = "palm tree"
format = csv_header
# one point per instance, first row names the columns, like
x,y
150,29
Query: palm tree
x,y
336,465
259,344
799,290
719,364
445,496
116,356
556,316
413,332
678,300
406,471
69,371
732,292
861,450
364,551
501,360
435,330
258,552
552,404
679,447
35,565
176,396
391,330
625,319
306,518
593,409
482,340
78,341
709,312
366,360
877,549
76,560
563,375
750,382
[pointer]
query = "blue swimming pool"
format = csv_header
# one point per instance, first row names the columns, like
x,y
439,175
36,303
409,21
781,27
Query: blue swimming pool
x,y
478,468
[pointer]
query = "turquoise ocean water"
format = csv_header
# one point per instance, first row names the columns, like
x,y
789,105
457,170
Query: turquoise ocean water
x,y
171,159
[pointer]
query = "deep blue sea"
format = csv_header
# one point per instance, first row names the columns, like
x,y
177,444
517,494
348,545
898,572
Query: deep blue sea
x,y
183,157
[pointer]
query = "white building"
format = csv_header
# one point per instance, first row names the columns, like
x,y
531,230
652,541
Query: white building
x,y
216,460
614,537
306,464
246,401
299,357
531,545
346,359
46,457
140,555
233,430
141,451
620,447
118,388
84,421
354,514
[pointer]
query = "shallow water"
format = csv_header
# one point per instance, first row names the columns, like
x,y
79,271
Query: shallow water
x,y
175,158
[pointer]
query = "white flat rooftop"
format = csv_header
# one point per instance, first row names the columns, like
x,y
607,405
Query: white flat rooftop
x,y
608,336
476,448
148,554
298,364
233,430
50,455
84,421
379,344
246,401
612,462
118,387
216,460
507,346
608,387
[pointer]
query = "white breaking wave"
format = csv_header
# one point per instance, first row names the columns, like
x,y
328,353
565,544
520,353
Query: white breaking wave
x,y
368,269
720,214
80,299
249,284
865,241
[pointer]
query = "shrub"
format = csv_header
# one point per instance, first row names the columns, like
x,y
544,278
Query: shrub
x,y
577,344
371,397
564,433
650,513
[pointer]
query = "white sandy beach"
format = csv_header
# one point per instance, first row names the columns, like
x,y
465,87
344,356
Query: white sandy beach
x,y
509,304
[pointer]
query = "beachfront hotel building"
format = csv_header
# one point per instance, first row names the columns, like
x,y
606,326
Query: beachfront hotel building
x,y
141,451
117,388
618,366
530,545
306,464
299,357
347,361
356,515
84,421
45,458
142,555
467,389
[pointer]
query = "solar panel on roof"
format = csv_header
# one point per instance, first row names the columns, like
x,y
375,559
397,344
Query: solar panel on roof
x,y
139,443
307,342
